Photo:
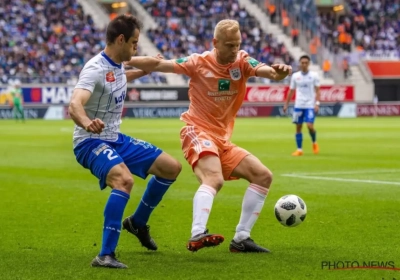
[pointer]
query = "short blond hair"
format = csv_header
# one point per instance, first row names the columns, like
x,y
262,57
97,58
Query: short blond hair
x,y
226,26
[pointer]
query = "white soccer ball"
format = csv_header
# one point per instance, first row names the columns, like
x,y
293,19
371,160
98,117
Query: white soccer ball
x,y
290,210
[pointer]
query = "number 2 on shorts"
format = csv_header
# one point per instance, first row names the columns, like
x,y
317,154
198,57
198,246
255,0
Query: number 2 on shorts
x,y
109,153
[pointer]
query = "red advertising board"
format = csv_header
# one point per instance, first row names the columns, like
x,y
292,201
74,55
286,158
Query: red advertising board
x,y
384,69
378,110
279,93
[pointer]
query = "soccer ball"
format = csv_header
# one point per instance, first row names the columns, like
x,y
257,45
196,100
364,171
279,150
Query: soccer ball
x,y
290,210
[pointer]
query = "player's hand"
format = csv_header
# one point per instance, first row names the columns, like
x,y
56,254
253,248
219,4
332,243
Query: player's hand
x,y
96,126
316,109
285,108
159,56
282,70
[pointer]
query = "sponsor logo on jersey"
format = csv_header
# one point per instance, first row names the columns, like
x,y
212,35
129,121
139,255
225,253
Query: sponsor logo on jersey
x,y
181,60
223,84
120,98
110,77
252,61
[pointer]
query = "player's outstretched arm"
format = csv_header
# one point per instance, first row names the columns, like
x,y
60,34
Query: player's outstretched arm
x,y
151,64
276,72
78,114
134,74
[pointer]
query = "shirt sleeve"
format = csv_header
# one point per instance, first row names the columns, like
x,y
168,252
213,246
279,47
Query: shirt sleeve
x,y
185,65
250,66
90,75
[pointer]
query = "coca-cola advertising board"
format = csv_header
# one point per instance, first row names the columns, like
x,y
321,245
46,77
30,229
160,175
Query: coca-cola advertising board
x,y
279,93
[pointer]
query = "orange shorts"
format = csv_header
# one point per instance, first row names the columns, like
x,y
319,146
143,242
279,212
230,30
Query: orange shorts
x,y
196,143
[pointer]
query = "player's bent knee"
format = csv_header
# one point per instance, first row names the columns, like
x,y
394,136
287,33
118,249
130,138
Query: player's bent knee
x,y
208,171
214,180
120,178
176,168
264,178
269,177
172,171
166,167
123,183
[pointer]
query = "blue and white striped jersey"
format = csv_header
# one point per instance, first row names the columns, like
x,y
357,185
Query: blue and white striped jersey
x,y
304,84
106,81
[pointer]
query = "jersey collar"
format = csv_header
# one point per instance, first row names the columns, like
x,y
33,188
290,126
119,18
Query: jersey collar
x,y
110,61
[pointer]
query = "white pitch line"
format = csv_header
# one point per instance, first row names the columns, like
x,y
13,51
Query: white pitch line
x,y
365,171
341,179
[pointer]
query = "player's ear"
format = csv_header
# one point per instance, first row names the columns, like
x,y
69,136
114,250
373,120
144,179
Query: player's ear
x,y
214,42
121,39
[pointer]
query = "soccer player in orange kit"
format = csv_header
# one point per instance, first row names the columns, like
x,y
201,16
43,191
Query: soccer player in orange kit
x,y
216,90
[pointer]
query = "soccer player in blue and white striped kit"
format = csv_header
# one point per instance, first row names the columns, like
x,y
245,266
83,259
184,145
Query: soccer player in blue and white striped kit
x,y
96,108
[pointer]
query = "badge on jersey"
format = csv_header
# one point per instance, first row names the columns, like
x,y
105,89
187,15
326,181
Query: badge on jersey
x,y
252,61
235,74
181,60
110,77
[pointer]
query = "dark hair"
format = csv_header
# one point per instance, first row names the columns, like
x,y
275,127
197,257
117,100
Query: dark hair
x,y
305,57
122,24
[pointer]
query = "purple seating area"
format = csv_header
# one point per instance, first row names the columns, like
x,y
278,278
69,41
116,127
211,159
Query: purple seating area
x,y
376,24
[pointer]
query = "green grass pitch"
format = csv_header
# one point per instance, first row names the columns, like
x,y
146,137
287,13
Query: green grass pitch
x,y
51,209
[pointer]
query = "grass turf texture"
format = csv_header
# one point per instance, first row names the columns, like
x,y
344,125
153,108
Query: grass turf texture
x,y
51,209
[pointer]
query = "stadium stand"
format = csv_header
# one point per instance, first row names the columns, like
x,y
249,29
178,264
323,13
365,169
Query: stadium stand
x,y
374,25
316,34
186,27
367,25
48,41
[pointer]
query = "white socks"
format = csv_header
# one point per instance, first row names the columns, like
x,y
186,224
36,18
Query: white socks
x,y
202,204
253,202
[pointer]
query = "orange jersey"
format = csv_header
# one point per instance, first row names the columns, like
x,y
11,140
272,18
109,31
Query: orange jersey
x,y
216,91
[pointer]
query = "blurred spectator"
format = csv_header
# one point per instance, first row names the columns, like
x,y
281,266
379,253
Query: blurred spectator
x,y
285,22
326,67
295,36
346,68
272,11
46,41
314,45
187,27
